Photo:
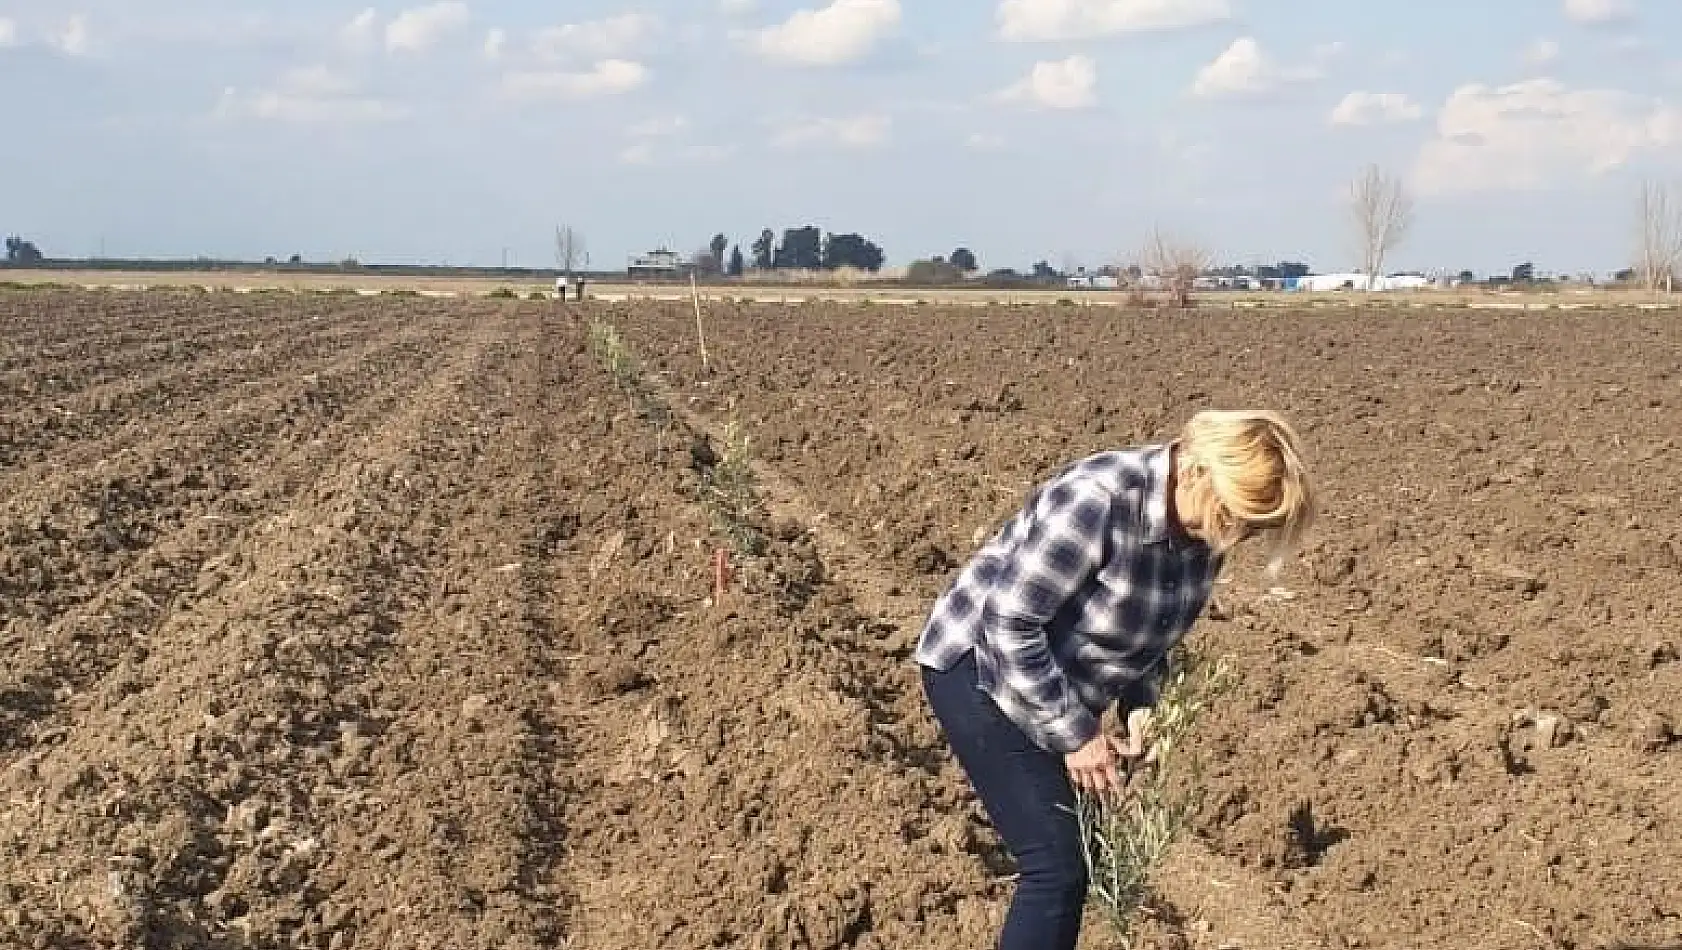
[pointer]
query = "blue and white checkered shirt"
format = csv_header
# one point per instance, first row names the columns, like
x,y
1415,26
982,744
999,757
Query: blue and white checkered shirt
x,y
1077,600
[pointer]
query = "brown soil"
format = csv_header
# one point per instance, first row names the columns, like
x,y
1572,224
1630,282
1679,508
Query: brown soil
x,y
1456,726
384,622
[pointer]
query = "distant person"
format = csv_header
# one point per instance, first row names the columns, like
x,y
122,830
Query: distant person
x,y
1072,608
581,289
561,287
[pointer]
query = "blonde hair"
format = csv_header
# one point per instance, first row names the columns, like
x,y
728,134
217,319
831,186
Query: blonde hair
x,y
1243,471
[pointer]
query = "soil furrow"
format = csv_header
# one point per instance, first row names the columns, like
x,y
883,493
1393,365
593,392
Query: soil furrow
x,y
164,328
136,433
712,738
552,373
90,567
315,644
31,435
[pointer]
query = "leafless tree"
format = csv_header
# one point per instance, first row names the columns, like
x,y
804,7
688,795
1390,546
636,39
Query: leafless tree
x,y
571,253
1383,212
1659,240
1177,262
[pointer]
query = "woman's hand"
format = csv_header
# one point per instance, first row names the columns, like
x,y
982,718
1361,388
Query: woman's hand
x,y
1092,767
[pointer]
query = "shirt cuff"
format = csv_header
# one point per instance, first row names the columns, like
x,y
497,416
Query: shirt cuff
x,y
1073,730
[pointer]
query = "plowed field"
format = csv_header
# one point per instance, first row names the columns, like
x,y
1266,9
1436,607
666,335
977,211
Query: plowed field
x,y
387,622
1456,724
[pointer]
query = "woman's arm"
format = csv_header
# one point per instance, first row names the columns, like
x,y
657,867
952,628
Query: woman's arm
x,y
1061,549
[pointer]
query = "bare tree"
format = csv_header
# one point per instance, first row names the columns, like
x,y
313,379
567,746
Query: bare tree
x,y
1659,241
1178,263
571,253
1383,212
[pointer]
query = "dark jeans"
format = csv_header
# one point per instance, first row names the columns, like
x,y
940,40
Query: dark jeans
x,y
1025,790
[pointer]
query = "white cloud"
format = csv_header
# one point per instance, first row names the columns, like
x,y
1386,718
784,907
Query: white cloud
x,y
1375,108
594,39
420,29
1244,70
8,33
644,153
1534,134
1597,11
1063,84
856,132
317,82
984,142
359,32
73,39
495,42
1054,20
1541,53
310,95
658,144
610,77
706,153
1183,153
844,31
659,127
737,7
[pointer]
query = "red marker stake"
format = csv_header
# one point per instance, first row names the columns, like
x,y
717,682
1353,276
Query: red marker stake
x,y
721,574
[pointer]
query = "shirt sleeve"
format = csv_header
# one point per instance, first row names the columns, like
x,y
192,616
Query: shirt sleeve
x,y
1144,692
1061,548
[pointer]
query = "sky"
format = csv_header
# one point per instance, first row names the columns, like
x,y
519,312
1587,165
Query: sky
x,y
1068,131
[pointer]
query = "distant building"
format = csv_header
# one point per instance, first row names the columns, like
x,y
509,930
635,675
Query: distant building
x,y
1320,283
1094,282
1229,282
1351,281
658,264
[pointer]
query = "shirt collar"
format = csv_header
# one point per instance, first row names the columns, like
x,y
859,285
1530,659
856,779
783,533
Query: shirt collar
x,y
1157,458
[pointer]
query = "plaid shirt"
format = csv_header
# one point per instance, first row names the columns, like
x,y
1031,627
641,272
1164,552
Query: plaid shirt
x,y
1077,600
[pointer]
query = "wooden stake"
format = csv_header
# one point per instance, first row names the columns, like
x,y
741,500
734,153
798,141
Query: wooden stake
x,y
721,574
700,332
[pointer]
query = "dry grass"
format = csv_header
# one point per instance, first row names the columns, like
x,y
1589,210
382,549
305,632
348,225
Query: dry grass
x,y
610,349
1128,836
727,486
729,491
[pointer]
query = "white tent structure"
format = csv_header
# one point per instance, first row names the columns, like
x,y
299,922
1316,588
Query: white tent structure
x,y
1351,281
1320,283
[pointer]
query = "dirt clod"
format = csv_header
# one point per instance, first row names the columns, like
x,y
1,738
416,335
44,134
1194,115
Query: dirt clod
x,y
1552,730
931,559
1656,732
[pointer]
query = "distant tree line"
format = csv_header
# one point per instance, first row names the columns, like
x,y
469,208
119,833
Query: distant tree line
x,y
1384,211
21,253
948,269
805,248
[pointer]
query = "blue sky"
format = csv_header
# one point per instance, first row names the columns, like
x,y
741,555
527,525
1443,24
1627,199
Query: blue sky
x,y
1063,130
